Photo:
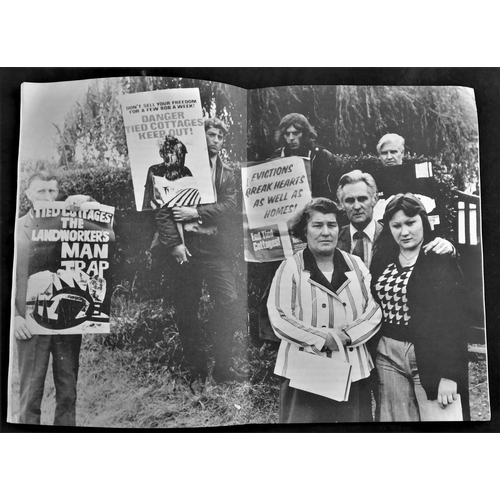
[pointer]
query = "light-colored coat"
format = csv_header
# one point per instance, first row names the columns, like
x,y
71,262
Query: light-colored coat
x,y
303,307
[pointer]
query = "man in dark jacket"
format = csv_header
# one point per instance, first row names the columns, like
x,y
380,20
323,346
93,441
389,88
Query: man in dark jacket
x,y
297,138
197,238
399,174
357,194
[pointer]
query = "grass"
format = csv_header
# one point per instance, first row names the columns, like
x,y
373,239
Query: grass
x,y
134,378
119,393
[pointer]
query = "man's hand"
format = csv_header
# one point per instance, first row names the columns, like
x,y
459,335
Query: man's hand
x,y
447,392
183,214
75,202
21,329
181,253
439,246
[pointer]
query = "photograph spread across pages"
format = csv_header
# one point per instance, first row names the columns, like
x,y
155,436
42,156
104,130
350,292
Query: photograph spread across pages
x,y
192,254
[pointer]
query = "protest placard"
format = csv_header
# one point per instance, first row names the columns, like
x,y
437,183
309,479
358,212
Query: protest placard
x,y
68,268
273,192
167,125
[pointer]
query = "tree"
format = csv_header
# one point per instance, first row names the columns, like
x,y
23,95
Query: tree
x,y
94,132
436,121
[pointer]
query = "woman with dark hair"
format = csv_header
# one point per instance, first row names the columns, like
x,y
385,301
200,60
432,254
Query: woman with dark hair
x,y
320,302
422,354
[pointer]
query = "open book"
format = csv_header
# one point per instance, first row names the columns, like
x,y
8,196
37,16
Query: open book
x,y
138,144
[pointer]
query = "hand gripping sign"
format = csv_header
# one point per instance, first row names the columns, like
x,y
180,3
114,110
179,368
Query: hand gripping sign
x,y
69,254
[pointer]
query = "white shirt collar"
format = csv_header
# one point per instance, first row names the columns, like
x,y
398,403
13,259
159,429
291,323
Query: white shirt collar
x,y
368,230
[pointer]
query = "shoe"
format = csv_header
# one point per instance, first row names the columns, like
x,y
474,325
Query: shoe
x,y
226,374
197,383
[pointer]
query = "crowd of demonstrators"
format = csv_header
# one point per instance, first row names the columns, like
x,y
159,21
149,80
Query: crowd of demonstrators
x,y
33,350
365,238
322,300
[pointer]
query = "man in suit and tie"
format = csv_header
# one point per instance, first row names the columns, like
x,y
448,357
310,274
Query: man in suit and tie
x,y
357,194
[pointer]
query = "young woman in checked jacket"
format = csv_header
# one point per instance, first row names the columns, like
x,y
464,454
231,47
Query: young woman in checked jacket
x,y
422,354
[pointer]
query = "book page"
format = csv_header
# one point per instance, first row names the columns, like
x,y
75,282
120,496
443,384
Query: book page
x,y
320,375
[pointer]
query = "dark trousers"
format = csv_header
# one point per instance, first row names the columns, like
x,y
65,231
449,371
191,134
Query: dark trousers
x,y
219,278
34,356
261,277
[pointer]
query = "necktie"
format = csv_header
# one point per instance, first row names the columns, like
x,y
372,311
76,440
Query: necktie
x,y
359,250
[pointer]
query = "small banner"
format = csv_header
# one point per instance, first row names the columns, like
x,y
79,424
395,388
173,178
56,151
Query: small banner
x,y
273,192
167,148
69,293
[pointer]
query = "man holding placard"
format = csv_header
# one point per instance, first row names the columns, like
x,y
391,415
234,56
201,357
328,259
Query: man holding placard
x,y
196,238
34,350
296,137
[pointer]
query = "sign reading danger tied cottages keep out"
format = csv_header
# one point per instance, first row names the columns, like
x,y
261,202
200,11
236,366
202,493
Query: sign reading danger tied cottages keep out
x,y
167,148
273,193
68,288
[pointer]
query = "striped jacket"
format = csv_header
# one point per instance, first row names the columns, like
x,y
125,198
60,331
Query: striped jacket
x,y
303,306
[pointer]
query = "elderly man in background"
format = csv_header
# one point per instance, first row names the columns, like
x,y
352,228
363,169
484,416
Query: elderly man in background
x,y
391,149
400,175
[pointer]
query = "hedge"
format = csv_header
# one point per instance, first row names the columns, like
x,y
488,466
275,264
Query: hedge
x,y
133,270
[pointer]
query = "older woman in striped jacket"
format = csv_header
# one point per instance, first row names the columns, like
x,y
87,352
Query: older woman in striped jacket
x,y
320,302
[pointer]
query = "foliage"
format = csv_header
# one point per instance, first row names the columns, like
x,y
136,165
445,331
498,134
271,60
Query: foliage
x,y
94,130
436,121
440,122
217,99
109,186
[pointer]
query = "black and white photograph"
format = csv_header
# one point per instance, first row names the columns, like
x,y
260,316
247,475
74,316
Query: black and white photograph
x,y
269,256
